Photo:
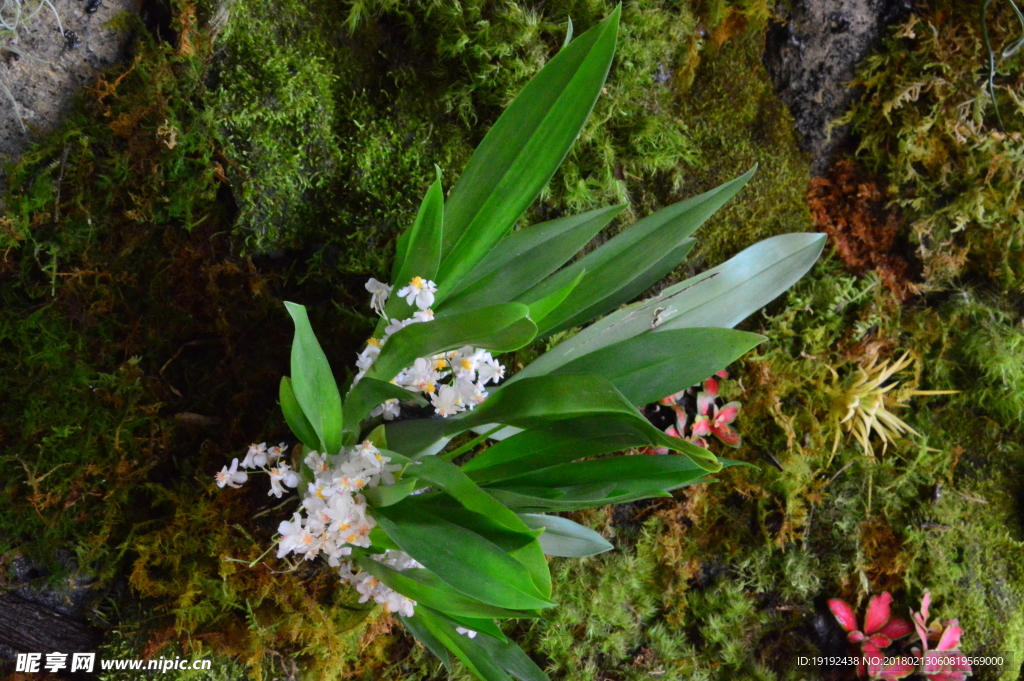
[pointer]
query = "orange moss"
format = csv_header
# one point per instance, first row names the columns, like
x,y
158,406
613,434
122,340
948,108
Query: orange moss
x,y
852,209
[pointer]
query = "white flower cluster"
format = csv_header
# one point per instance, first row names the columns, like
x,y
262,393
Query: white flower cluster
x,y
336,517
454,381
259,456
369,586
336,514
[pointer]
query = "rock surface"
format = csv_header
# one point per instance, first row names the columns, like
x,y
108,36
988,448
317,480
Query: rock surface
x,y
811,54
44,78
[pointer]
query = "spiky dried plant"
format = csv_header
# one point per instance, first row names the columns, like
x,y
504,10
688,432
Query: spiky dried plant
x,y
863,403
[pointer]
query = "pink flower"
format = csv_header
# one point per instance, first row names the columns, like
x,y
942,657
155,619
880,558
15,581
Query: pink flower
x,y
879,631
711,420
947,646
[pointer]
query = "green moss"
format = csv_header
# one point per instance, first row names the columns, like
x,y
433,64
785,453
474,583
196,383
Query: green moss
x,y
927,124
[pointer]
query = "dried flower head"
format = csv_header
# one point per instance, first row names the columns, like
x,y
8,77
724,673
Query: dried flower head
x,y
864,402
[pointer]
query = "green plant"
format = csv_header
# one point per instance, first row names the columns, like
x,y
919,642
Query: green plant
x,y
454,548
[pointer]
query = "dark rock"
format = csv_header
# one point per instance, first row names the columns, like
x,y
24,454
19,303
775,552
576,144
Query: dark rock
x,y
811,54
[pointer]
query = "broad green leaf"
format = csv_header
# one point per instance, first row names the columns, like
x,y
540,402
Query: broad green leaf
x,y
499,328
563,537
388,495
622,268
721,297
512,659
367,394
313,383
533,402
417,438
481,626
524,258
523,149
615,470
422,634
461,558
655,478
553,444
650,366
476,658
615,283
542,308
427,589
468,506
293,416
422,250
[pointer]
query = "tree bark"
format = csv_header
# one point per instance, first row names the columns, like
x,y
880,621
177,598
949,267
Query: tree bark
x,y
30,628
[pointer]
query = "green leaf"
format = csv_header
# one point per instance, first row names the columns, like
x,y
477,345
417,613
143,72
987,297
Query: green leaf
x,y
468,506
563,537
417,438
549,303
589,484
524,258
622,268
616,470
523,149
533,402
617,282
463,559
721,297
427,589
453,480
422,249
650,366
367,394
512,659
388,495
293,416
313,383
422,634
476,659
498,328
553,444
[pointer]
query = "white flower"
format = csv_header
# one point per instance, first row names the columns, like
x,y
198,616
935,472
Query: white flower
x,y
389,408
232,477
420,292
488,369
289,531
371,454
256,457
466,632
282,474
317,462
379,294
447,401
366,358
397,325
275,453
472,393
396,602
423,316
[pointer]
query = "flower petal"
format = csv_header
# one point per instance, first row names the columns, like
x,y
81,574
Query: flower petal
x,y
726,434
950,637
878,613
711,386
896,628
728,413
701,426
704,403
844,614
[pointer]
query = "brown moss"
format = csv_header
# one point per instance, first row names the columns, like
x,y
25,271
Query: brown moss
x,y
852,209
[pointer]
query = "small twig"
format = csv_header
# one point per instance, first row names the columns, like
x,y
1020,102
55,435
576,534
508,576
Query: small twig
x,y
976,500
838,473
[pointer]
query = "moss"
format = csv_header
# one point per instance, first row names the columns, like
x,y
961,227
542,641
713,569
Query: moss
x,y
952,168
